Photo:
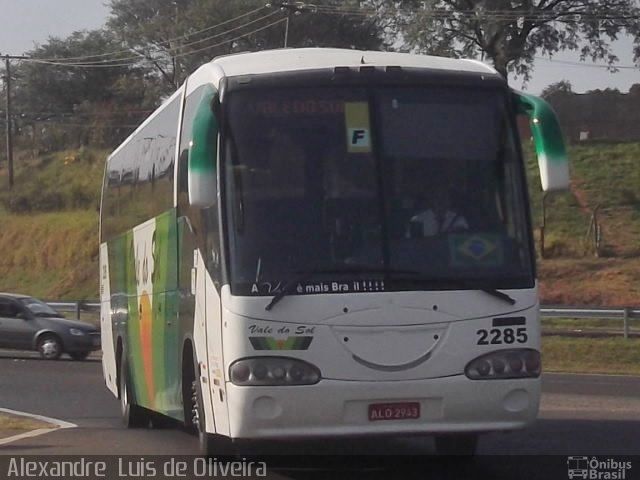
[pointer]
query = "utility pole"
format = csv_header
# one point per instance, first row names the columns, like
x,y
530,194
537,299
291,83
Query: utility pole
x,y
297,8
8,115
286,28
7,86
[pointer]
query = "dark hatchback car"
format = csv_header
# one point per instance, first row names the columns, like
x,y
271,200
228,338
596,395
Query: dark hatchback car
x,y
27,323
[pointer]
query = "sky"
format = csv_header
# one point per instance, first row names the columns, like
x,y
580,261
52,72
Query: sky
x,y
28,23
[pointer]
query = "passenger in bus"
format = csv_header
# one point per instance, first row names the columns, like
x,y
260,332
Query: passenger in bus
x,y
436,215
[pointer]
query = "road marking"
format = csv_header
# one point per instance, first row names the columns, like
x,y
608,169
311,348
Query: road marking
x,y
59,424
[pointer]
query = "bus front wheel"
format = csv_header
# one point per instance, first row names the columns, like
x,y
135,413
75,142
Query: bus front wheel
x,y
208,444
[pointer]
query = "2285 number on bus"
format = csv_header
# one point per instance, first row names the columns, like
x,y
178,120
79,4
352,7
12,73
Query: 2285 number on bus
x,y
502,336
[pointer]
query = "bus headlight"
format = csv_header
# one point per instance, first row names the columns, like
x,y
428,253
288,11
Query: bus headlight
x,y
262,371
516,363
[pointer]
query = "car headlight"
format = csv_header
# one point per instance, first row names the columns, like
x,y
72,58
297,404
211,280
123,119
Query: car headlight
x,y
273,371
77,332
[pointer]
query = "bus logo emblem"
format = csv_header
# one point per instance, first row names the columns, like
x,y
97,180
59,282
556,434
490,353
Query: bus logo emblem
x,y
286,343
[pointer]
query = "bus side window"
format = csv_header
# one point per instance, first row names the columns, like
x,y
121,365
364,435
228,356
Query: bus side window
x,y
183,165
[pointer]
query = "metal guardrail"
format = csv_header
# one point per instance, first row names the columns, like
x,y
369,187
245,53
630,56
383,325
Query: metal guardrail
x,y
77,307
592,312
626,314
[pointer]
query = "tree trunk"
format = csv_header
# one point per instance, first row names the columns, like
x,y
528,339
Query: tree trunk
x,y
501,66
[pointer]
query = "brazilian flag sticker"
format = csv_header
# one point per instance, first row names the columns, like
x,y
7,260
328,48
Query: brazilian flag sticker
x,y
481,250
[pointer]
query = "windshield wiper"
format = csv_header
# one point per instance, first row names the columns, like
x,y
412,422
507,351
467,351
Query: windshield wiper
x,y
491,291
347,269
498,294
468,284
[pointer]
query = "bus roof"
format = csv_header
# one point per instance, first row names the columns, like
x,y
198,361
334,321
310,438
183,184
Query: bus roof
x,y
296,59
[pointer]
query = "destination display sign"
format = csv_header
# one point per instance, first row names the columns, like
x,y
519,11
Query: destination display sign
x,y
296,107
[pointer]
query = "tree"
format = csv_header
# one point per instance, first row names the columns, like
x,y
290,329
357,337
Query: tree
x,y
511,32
557,88
70,86
173,37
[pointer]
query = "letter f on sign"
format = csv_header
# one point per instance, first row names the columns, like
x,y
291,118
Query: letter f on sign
x,y
357,136
359,140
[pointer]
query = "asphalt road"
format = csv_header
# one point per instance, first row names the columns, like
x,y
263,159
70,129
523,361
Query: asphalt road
x,y
580,415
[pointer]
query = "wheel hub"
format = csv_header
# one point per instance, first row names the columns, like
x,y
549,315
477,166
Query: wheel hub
x,y
49,348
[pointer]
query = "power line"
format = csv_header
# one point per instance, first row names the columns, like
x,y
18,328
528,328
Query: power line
x,y
564,15
86,114
178,55
134,59
125,62
233,39
589,65
496,15
80,65
168,42
88,127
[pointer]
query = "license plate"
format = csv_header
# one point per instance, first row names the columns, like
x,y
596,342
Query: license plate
x,y
394,411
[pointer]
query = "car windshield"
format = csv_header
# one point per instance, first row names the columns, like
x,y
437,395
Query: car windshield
x,y
39,308
423,179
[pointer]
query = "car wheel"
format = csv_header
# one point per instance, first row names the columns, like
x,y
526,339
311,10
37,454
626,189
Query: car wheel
x,y
79,355
133,416
464,444
50,347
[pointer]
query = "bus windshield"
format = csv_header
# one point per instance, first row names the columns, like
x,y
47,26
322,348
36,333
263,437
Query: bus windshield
x,y
425,180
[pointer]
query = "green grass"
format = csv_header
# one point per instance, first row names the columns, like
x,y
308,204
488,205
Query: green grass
x,y
605,175
17,423
50,255
591,355
68,180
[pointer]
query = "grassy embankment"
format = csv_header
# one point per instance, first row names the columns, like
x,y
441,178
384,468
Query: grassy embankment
x,y
49,234
49,246
604,176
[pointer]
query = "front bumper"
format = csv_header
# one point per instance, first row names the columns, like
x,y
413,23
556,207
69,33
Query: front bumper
x,y
82,343
340,408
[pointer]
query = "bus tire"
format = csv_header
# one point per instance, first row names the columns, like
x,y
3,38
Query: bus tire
x,y
209,444
464,444
133,416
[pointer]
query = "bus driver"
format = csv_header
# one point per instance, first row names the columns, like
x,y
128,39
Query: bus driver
x,y
439,216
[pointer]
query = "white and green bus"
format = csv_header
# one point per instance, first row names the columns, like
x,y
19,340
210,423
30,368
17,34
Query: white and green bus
x,y
261,273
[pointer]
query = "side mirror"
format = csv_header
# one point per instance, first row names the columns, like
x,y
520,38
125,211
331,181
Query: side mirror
x,y
548,142
203,151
